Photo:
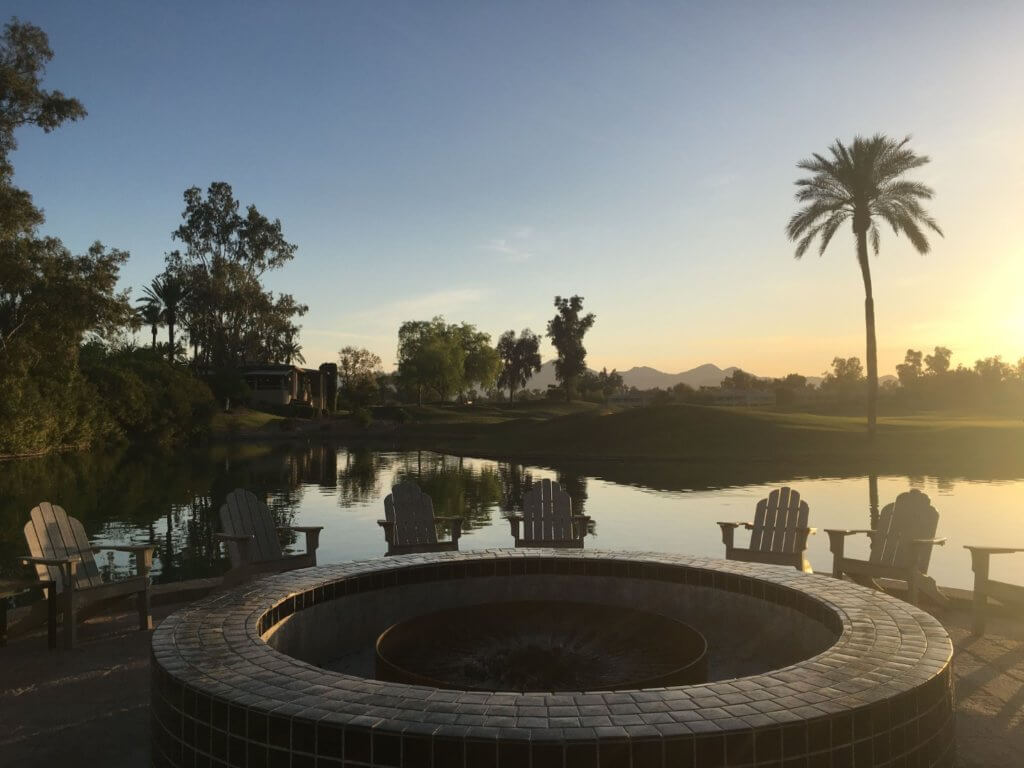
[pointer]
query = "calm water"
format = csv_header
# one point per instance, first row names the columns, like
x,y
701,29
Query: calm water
x,y
171,500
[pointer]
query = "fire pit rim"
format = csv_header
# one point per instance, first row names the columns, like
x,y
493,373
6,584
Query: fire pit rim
x,y
887,653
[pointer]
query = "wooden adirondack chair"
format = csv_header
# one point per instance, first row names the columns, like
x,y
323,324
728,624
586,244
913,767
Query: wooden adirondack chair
x,y
901,547
547,519
410,525
985,588
62,554
778,534
252,539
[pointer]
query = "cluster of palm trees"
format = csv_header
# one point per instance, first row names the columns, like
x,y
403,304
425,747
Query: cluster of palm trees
x,y
863,183
161,304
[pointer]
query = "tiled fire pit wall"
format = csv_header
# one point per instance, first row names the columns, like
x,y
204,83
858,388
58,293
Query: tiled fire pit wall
x,y
805,671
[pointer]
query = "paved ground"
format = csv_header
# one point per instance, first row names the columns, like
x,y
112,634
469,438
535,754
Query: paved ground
x,y
91,705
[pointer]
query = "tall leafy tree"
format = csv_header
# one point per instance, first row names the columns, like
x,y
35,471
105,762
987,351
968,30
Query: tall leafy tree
x,y
50,299
24,53
230,315
358,372
863,183
430,358
520,359
566,331
480,362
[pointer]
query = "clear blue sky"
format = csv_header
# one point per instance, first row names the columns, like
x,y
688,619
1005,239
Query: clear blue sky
x,y
474,159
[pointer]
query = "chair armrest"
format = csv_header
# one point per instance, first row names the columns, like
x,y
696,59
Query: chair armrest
x,y
386,523
808,531
57,561
233,537
993,550
301,528
516,517
736,525
930,542
123,547
848,531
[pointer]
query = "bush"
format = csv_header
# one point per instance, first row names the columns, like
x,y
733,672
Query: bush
x,y
363,417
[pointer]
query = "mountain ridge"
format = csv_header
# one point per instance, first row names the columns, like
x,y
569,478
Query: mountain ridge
x,y
647,377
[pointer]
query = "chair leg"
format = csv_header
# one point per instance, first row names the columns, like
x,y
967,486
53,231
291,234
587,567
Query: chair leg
x,y
142,605
979,562
51,616
70,620
914,584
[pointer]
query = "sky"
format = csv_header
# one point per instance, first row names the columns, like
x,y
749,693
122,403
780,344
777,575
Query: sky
x,y
473,160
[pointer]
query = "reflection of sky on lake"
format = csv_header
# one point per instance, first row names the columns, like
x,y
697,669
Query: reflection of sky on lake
x,y
172,502
628,517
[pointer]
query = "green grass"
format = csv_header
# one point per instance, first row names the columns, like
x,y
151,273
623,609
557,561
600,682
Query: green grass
x,y
704,433
243,420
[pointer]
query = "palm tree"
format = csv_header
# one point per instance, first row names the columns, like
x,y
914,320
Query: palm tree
x,y
152,314
291,351
169,292
862,183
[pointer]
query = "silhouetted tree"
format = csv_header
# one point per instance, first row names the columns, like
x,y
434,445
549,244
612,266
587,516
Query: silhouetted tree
x,y
566,331
846,376
168,292
939,362
151,314
520,359
862,183
909,371
228,311
358,372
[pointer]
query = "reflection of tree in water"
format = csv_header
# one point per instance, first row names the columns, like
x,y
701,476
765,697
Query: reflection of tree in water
x,y
575,484
358,477
516,480
455,489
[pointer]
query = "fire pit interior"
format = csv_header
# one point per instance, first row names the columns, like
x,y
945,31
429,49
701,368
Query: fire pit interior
x,y
541,646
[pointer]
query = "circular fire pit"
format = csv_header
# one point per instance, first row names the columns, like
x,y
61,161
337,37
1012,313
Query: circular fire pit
x,y
541,646
801,670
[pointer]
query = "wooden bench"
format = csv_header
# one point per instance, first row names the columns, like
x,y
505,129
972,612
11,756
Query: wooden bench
x,y
410,525
778,535
63,556
547,519
985,588
252,539
901,547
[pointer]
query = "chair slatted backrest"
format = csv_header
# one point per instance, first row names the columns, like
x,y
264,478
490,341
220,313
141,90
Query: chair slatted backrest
x,y
547,513
245,515
777,521
911,516
412,513
51,533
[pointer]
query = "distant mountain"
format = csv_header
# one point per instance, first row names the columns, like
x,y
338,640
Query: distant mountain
x,y
645,377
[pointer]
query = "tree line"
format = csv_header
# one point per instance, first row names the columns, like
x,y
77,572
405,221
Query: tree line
x,y
70,370
438,360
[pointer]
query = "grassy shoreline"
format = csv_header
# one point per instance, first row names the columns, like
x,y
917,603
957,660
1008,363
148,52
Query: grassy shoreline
x,y
559,432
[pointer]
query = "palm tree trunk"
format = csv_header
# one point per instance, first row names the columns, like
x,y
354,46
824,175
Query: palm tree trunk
x,y
170,341
154,338
869,326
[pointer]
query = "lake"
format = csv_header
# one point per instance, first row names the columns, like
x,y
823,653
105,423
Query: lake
x,y
171,499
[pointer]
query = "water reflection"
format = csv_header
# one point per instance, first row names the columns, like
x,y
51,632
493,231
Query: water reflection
x,y
172,499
